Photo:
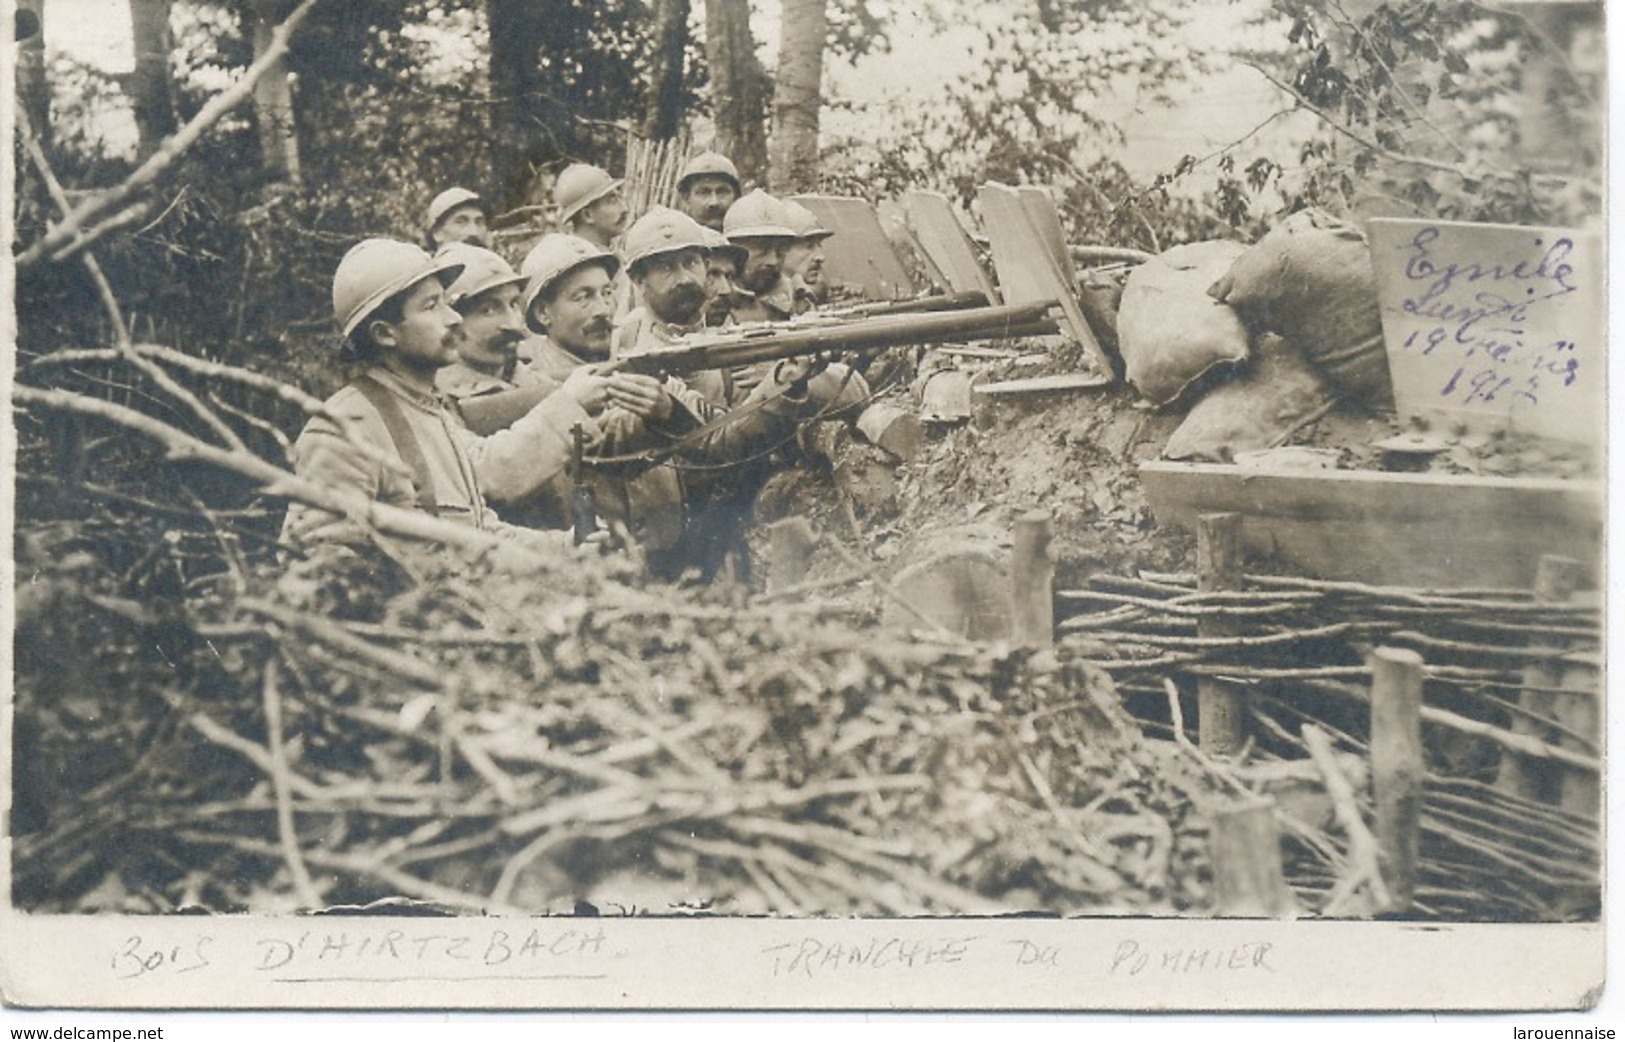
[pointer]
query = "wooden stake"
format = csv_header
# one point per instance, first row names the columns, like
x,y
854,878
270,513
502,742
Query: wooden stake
x,y
1580,792
791,543
1221,707
1556,579
1245,846
1397,767
1032,581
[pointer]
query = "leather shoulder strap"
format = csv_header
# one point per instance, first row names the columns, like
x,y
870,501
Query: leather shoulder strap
x,y
406,442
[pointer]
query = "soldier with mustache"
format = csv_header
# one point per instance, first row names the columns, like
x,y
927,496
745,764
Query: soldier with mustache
x,y
804,261
667,258
721,465
391,436
590,207
493,385
759,225
706,187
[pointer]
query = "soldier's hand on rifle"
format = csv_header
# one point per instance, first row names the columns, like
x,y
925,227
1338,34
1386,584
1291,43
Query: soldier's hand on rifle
x,y
587,387
643,396
795,372
745,378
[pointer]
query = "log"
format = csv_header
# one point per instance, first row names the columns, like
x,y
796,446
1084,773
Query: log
x,y
792,542
1032,582
893,430
1221,707
1397,768
1245,846
958,581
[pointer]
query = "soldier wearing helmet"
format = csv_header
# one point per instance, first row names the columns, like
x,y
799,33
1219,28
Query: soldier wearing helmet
x,y
721,467
590,207
723,261
759,224
491,387
388,435
590,204
666,256
457,215
706,187
804,261
570,298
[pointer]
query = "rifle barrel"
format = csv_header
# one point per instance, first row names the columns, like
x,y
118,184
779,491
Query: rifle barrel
x,y
866,334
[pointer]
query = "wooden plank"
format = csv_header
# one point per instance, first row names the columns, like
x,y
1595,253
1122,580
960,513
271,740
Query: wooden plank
x,y
1041,211
1027,269
943,241
1043,384
1401,529
1397,768
1494,326
859,253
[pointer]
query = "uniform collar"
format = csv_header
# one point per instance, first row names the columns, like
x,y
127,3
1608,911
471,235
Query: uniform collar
x,y
432,401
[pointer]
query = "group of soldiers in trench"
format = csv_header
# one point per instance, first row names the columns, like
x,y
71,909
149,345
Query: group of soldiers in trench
x,y
490,395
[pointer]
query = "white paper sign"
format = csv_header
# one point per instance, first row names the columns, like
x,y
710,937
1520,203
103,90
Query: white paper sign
x,y
1494,326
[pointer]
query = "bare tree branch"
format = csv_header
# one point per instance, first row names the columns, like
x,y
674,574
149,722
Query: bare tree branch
x,y
121,328
385,519
1456,169
75,224
204,367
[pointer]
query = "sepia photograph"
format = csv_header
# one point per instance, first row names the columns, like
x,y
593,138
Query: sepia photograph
x,y
806,504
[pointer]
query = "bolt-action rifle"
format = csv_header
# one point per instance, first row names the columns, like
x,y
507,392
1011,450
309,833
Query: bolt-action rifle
x,y
772,343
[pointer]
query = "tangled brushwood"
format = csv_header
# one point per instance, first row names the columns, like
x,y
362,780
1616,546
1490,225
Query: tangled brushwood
x,y
528,742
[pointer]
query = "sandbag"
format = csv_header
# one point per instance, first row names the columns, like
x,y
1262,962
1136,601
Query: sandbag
x,y
1169,329
1252,410
1310,280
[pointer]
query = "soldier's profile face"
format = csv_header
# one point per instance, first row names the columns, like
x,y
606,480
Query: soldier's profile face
x,y
493,325
464,224
805,257
608,214
426,336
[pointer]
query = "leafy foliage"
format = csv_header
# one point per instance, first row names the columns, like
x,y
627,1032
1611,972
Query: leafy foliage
x,y
1451,110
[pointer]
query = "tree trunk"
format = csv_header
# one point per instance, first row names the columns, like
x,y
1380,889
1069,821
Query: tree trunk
x,y
530,128
664,113
33,89
738,87
151,90
798,97
273,101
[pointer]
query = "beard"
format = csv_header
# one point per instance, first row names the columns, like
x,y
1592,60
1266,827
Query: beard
x,y
680,305
762,278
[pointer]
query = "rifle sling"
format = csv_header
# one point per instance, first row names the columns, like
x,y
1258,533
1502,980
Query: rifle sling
x,y
406,442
